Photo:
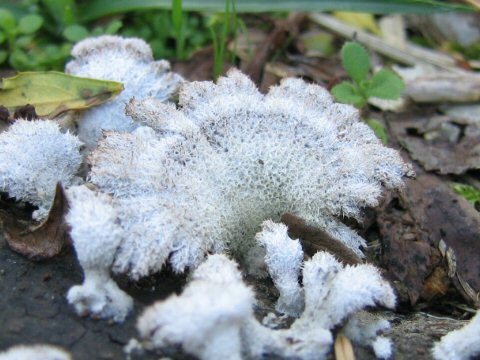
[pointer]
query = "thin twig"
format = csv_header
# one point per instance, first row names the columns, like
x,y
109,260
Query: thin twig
x,y
410,55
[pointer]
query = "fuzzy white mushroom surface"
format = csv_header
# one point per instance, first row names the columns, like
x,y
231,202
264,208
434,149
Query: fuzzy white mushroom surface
x,y
126,60
284,259
461,344
34,352
364,328
213,317
229,158
207,317
201,178
96,238
35,156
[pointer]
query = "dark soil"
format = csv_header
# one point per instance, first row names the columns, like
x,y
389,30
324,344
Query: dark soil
x,y
33,308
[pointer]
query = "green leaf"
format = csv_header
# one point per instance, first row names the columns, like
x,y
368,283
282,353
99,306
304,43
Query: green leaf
x,y
113,27
355,60
469,192
19,59
379,130
3,56
24,41
29,24
385,85
62,11
75,33
53,93
346,93
3,37
91,10
7,21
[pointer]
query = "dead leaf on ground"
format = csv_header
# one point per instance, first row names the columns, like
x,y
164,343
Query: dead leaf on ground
x,y
275,41
25,112
53,93
413,225
37,241
314,239
438,142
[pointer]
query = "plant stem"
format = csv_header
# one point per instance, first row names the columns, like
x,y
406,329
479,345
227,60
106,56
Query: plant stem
x,y
177,20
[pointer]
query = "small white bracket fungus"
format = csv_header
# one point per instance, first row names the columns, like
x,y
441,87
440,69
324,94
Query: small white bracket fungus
x,y
96,236
363,328
206,318
461,344
284,258
126,60
34,352
202,177
213,317
34,157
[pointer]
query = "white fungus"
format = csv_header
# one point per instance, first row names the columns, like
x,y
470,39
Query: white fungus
x,y
34,157
95,238
201,178
207,317
34,352
214,313
126,60
461,344
284,258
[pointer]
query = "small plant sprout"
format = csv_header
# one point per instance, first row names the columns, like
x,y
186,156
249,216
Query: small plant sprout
x,y
202,178
213,318
461,344
384,84
17,36
128,61
34,157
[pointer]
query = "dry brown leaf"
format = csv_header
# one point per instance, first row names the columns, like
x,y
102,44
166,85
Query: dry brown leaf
x,y
314,239
413,225
438,142
38,241
343,348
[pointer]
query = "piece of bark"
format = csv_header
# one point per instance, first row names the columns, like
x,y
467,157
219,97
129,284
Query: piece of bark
x,y
38,241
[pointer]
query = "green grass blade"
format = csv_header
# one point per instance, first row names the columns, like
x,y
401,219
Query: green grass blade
x,y
92,10
177,20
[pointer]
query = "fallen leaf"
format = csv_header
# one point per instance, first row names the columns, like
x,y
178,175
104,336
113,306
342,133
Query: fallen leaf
x,y
343,348
314,239
52,92
438,142
37,241
359,20
415,223
315,43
